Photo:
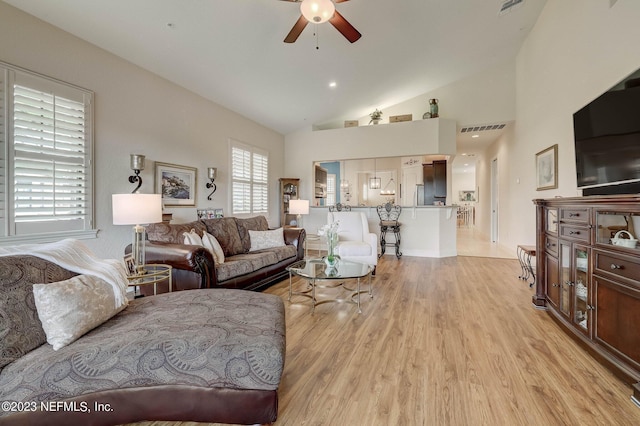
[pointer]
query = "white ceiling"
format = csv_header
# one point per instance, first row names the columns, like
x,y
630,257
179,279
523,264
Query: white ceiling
x,y
232,51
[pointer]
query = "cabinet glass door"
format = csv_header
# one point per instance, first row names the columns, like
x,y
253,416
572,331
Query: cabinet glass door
x,y
552,220
581,288
565,279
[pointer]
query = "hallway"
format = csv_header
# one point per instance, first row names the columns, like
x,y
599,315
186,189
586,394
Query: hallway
x,y
471,242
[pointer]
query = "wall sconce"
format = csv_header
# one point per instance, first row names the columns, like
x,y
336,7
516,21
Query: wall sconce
x,y
211,172
137,165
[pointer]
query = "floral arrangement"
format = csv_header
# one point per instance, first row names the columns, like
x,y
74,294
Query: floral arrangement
x,y
330,231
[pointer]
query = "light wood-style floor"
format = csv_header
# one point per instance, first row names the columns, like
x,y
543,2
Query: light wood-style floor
x,y
471,242
451,341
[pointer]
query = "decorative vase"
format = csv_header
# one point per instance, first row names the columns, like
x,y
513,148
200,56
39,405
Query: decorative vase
x,y
375,120
331,259
433,108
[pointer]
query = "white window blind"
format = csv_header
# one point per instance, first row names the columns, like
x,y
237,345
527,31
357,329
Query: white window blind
x,y
49,141
249,179
331,189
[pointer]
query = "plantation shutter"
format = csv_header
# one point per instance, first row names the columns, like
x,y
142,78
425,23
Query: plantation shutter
x,y
260,183
249,179
3,149
51,155
241,175
331,189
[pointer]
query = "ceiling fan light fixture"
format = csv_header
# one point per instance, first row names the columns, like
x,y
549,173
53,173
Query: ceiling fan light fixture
x,y
317,11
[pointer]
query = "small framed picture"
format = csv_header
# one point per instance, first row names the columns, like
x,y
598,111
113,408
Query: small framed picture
x,y
218,213
177,184
129,264
467,195
547,168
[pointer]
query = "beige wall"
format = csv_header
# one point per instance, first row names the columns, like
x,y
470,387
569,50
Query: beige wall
x,y
576,51
137,112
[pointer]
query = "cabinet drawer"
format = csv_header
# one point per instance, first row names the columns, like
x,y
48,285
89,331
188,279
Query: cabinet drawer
x,y
551,245
618,265
577,215
577,233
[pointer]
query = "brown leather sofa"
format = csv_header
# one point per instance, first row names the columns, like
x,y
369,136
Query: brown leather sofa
x,y
194,267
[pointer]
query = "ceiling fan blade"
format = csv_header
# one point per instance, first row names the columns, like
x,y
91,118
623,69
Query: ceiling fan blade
x,y
296,30
345,28
339,1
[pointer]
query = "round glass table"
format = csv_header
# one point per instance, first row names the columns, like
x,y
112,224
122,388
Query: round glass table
x,y
316,270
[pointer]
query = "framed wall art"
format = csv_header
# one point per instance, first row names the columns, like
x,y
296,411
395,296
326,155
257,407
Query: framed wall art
x,y
177,184
467,196
547,168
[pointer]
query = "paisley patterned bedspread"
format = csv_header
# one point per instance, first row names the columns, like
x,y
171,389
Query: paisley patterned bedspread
x,y
211,338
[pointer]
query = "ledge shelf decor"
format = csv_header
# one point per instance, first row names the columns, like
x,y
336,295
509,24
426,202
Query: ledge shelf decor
x,y
177,184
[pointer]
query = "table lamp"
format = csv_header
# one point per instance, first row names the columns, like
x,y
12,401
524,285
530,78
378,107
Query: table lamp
x,y
299,207
136,209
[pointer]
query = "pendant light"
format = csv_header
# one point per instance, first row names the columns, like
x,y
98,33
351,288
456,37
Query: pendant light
x,y
374,182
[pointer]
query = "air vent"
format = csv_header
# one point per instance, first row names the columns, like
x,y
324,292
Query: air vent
x,y
482,128
509,5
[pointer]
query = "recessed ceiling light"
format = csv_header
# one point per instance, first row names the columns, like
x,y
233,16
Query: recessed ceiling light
x,y
333,84
475,136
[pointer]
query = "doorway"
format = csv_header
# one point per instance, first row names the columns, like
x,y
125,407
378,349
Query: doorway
x,y
494,200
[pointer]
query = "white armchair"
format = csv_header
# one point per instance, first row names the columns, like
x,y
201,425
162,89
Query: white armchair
x,y
355,242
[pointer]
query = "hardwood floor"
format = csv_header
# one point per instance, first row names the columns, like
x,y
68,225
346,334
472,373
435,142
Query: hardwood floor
x,y
451,341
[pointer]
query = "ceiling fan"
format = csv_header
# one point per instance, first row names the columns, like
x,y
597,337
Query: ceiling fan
x,y
317,12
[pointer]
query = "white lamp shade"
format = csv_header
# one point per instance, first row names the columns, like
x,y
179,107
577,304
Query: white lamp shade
x,y
317,11
136,209
299,206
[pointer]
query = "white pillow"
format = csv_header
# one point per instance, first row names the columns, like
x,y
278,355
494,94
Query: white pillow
x,y
68,309
213,246
266,239
192,238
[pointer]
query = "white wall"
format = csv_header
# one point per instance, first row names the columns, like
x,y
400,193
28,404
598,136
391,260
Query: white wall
x,y
483,98
575,52
137,112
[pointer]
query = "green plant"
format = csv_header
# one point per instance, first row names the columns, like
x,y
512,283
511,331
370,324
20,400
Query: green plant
x,y
376,115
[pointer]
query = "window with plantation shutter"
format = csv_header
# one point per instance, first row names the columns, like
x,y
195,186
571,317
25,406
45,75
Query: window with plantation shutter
x,y
249,179
47,168
331,190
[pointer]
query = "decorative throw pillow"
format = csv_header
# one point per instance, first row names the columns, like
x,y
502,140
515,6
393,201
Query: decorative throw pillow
x,y
213,246
192,238
68,309
266,239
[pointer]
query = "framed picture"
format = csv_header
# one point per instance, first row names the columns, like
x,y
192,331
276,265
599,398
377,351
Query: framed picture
x,y
177,184
547,168
467,195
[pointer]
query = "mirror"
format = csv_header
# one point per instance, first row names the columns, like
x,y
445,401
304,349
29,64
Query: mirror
x,y
370,182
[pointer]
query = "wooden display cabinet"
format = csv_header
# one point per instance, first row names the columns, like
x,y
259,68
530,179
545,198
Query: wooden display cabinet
x,y
589,281
289,190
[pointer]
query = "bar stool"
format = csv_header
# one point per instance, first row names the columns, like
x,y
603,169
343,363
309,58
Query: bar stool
x,y
389,214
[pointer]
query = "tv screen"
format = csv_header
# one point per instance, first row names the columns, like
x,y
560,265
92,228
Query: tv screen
x,y
607,138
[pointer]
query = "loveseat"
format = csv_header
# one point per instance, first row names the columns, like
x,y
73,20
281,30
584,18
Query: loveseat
x,y
200,355
194,266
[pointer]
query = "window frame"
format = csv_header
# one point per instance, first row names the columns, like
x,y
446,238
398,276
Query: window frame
x,y
56,228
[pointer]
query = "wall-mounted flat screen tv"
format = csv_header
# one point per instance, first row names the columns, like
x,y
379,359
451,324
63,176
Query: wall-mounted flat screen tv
x,y
607,139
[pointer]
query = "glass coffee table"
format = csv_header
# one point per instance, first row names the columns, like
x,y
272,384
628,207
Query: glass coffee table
x,y
315,270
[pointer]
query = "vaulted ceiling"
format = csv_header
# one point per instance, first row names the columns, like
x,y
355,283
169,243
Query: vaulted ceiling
x,y
232,51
